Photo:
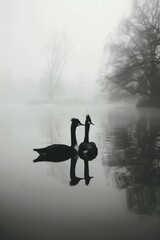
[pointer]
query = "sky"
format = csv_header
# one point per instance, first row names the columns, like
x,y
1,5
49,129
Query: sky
x,y
25,28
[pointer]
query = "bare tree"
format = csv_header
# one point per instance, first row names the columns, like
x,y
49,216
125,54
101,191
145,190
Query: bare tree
x,y
134,64
56,53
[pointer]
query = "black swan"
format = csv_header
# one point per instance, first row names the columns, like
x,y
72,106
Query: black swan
x,y
60,152
87,150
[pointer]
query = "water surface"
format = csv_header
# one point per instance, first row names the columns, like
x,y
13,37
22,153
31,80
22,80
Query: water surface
x,y
122,200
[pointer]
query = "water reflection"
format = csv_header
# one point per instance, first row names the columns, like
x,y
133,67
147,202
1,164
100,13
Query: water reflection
x,y
52,131
61,152
74,180
37,201
86,172
133,158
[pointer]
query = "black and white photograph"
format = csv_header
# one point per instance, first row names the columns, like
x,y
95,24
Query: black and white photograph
x,y
79,119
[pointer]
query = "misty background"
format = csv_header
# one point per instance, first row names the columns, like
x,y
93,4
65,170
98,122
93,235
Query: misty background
x,y
26,28
63,52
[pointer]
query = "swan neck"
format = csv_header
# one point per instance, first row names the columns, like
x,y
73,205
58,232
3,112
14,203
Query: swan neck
x,y
86,138
73,135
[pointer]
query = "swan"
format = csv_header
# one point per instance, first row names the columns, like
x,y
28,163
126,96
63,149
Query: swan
x,y
60,152
87,150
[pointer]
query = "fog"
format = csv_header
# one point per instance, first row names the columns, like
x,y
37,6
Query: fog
x,y
26,27
115,196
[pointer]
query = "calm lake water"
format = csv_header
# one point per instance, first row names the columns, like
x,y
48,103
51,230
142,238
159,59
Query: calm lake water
x,y
122,200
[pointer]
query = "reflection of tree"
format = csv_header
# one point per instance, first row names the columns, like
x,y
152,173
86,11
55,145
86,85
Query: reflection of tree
x,y
144,200
52,136
135,159
136,143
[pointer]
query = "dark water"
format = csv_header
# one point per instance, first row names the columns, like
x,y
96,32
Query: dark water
x,y
122,201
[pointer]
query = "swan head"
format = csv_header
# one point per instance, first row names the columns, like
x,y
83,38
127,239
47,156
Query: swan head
x,y
88,120
76,122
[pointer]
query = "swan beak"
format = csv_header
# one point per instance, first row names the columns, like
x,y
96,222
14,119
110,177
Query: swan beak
x,y
81,124
92,123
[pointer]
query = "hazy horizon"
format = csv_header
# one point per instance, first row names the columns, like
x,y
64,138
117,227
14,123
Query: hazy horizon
x,y
25,30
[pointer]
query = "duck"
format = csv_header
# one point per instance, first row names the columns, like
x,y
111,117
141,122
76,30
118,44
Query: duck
x,y
61,152
87,150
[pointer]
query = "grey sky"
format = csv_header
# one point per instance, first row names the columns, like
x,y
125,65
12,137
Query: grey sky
x,y
25,26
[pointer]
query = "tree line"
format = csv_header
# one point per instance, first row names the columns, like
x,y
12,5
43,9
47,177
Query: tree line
x,y
133,65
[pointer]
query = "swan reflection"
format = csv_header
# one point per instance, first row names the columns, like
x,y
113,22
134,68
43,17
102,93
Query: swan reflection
x,y
61,152
74,180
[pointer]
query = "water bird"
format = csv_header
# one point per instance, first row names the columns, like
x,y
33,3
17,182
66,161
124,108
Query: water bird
x,y
87,150
61,152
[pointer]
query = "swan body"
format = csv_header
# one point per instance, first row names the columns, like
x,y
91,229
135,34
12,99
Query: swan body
x,y
56,153
88,151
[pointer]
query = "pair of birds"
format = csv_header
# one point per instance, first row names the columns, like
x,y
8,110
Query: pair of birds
x,y
61,152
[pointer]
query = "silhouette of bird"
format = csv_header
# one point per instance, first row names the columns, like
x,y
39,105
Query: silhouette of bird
x,y
60,152
87,150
